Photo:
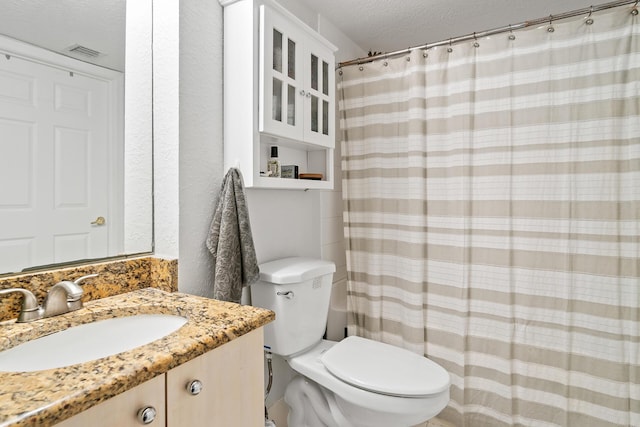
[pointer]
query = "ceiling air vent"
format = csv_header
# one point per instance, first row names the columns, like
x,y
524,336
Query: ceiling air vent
x,y
84,51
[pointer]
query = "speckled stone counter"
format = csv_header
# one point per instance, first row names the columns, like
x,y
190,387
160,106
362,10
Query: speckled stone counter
x,y
114,277
46,397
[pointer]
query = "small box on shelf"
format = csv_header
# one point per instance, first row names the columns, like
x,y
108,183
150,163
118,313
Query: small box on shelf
x,y
289,171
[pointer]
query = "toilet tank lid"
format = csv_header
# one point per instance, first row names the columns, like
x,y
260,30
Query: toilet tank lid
x,y
294,270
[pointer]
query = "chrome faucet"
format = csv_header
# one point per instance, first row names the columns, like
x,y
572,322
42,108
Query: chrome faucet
x,y
62,298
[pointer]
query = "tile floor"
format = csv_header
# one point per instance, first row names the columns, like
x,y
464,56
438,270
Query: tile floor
x,y
279,410
437,423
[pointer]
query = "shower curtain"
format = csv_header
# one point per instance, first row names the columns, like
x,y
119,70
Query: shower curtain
x,y
492,218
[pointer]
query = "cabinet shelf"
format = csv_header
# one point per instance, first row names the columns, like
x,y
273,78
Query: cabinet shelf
x,y
292,184
309,158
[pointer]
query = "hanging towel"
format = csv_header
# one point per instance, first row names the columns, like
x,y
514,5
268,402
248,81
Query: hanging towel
x,y
230,241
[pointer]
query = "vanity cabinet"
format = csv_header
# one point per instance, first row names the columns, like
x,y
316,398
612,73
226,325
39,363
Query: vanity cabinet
x,y
232,379
279,91
122,410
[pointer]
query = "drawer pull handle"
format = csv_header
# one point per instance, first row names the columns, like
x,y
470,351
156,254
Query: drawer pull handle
x,y
147,414
194,387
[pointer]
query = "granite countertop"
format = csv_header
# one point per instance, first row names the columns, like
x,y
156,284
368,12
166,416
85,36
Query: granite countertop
x,y
46,397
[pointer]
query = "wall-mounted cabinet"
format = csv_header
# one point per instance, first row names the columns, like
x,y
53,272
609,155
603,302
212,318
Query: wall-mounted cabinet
x,y
296,81
279,90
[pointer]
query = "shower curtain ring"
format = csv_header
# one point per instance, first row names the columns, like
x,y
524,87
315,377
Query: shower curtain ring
x,y
589,19
550,28
449,49
475,43
634,11
511,35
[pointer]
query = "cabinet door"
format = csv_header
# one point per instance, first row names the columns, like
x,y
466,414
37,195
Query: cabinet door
x,y
232,378
281,76
122,410
319,115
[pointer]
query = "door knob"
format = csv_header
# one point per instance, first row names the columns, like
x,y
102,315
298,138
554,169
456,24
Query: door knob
x,y
99,221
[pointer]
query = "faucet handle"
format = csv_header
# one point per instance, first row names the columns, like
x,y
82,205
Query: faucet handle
x,y
80,279
74,291
30,308
73,300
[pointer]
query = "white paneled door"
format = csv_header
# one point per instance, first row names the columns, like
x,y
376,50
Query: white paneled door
x,y
54,165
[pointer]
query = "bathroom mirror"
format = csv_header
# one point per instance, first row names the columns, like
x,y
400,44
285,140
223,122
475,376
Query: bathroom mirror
x,y
75,131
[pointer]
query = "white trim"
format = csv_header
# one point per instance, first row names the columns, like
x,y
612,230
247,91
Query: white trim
x,y
116,166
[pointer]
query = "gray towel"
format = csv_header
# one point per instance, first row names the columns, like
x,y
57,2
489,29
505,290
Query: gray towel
x,y
230,241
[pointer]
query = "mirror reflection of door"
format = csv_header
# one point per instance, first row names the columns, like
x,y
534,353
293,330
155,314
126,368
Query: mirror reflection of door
x,y
56,137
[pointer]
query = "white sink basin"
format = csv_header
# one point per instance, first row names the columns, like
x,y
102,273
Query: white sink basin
x,y
88,342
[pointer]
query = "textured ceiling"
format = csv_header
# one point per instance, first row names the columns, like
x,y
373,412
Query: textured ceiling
x,y
58,24
388,25
378,25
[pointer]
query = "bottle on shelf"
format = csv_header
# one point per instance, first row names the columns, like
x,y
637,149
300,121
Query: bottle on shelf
x,y
273,165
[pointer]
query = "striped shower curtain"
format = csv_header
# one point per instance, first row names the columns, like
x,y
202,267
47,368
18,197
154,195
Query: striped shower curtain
x,y
492,217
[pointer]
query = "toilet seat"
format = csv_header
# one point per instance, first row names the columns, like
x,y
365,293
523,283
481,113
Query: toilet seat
x,y
309,365
382,368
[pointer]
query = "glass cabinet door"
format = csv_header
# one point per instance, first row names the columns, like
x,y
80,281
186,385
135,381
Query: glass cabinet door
x,y
281,77
319,116
296,82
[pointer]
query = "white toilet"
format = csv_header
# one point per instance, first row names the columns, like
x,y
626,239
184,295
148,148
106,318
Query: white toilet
x,y
356,382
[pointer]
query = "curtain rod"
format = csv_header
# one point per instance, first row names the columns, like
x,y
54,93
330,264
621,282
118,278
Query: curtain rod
x,y
549,19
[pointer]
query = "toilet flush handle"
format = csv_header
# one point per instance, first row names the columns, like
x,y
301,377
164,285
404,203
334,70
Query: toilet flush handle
x,y
287,295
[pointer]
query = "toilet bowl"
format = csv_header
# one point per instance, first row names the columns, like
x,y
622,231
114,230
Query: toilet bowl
x,y
414,401
356,382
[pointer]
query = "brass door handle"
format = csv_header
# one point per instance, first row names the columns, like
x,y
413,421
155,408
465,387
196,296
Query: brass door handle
x,y
99,221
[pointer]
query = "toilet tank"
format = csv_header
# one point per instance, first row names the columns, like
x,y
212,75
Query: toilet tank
x,y
298,290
